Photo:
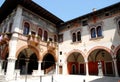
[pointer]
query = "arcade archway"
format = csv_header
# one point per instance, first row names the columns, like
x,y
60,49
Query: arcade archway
x,y
76,63
118,61
100,55
27,61
48,64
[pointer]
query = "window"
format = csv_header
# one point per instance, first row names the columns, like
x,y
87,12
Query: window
x,y
78,36
93,33
50,39
85,22
45,35
74,37
99,31
33,33
60,38
10,27
40,32
5,29
26,28
55,38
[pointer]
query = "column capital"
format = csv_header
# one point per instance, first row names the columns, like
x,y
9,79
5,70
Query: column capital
x,y
12,59
39,61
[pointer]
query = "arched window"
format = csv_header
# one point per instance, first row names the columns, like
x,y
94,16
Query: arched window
x,y
99,31
55,38
45,35
93,33
26,28
40,32
74,37
78,36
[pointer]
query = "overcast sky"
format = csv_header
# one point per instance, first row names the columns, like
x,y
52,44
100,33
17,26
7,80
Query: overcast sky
x,y
70,9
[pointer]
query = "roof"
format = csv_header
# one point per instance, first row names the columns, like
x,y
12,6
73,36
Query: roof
x,y
116,5
9,5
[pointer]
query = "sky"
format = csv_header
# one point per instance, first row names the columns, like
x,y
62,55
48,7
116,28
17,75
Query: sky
x,y
70,9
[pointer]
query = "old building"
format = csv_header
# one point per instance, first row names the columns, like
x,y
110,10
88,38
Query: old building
x,y
35,42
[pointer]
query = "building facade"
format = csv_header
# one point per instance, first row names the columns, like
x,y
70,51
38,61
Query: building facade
x,y
35,42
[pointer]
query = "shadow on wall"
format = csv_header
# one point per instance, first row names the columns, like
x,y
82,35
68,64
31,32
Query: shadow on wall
x,y
107,79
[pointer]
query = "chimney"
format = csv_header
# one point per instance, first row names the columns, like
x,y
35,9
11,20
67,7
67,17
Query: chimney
x,y
94,9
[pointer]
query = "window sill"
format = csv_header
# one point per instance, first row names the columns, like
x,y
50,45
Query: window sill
x,y
76,42
97,38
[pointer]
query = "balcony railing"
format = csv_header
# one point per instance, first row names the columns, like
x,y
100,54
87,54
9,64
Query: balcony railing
x,y
51,45
5,37
33,40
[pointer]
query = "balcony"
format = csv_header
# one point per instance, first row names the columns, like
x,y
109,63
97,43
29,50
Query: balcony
x,y
5,37
51,45
33,40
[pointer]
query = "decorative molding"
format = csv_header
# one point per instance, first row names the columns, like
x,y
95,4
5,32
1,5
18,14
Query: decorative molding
x,y
96,25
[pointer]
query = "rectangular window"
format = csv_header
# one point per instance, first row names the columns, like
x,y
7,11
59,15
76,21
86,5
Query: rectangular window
x,y
84,22
60,38
10,27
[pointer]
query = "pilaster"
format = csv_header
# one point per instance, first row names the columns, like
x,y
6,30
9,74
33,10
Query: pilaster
x,y
17,20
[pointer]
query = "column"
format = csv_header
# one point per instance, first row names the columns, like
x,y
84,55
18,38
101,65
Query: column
x,y
56,68
87,73
115,67
1,63
17,20
39,68
13,44
10,69
65,71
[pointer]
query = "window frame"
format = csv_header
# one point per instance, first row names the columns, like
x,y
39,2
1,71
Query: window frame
x,y
99,31
26,28
45,35
40,34
60,38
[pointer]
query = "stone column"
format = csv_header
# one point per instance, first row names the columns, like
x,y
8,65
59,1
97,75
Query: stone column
x,y
65,71
13,44
10,69
17,20
87,73
56,68
115,67
1,63
39,68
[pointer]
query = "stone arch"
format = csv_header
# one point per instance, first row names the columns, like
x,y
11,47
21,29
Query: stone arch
x,y
27,59
49,60
76,58
52,53
31,47
100,47
101,55
116,50
117,58
75,50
